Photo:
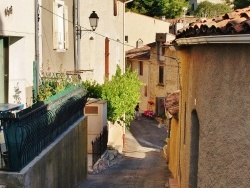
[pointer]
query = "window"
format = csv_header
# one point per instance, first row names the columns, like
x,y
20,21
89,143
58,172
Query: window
x,y
126,38
140,68
145,90
60,26
160,51
115,7
161,75
192,7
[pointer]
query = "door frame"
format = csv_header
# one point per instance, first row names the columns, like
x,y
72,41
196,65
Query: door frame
x,y
6,66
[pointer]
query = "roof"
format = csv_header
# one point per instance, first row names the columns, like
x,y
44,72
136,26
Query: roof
x,y
141,53
232,23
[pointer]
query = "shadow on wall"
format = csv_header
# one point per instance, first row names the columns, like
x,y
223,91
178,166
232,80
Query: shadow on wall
x,y
1,24
194,149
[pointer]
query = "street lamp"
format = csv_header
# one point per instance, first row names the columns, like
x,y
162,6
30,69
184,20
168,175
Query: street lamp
x,y
93,20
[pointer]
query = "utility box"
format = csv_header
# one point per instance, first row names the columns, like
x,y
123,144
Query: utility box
x,y
96,111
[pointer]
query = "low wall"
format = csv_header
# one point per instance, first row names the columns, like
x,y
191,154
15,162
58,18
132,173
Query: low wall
x,y
62,164
115,136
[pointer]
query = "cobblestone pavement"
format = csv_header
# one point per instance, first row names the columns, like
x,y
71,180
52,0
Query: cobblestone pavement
x,y
143,164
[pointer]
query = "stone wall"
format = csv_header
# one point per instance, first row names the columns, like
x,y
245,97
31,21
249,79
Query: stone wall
x,y
62,164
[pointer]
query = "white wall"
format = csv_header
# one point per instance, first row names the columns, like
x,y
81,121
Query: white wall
x,y
92,51
142,27
19,26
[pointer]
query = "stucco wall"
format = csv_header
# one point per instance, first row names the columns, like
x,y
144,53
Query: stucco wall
x,y
93,51
19,27
215,82
61,164
52,60
142,27
171,75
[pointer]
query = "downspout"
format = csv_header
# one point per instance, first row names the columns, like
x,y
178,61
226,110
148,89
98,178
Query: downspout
x,y
124,59
36,62
76,37
74,30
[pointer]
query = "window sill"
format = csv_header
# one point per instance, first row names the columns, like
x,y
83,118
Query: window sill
x,y
160,84
61,50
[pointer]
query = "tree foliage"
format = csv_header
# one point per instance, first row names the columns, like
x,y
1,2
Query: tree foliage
x,y
241,3
94,89
174,8
208,9
156,8
122,93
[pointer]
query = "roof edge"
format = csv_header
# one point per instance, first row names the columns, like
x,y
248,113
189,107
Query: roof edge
x,y
217,39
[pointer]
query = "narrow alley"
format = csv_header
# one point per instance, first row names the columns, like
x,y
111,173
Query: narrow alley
x,y
143,163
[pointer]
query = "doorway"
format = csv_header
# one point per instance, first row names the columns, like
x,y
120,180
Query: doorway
x,y
4,70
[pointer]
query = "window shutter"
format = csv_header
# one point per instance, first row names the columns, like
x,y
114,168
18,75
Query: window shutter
x,y
55,26
145,90
115,7
66,28
106,57
140,68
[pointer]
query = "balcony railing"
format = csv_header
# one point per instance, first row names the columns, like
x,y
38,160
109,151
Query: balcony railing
x,y
31,130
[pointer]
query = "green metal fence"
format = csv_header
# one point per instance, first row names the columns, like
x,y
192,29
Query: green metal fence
x,y
31,130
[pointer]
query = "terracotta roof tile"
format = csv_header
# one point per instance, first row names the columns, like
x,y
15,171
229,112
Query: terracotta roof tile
x,y
236,22
142,53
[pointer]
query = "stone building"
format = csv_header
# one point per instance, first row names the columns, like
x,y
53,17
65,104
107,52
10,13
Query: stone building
x,y
158,69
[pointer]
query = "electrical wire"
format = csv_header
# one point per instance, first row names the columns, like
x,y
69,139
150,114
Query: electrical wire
x,y
69,21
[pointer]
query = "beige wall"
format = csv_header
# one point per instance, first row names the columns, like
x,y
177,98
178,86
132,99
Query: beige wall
x,y
52,59
142,27
93,51
19,27
171,74
215,82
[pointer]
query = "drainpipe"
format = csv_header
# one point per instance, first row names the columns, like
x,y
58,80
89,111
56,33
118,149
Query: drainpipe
x,y
76,37
36,76
124,60
74,30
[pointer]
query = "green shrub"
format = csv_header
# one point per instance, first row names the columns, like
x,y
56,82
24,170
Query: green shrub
x,y
122,93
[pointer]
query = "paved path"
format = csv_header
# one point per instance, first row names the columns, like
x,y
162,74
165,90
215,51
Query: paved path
x,y
143,164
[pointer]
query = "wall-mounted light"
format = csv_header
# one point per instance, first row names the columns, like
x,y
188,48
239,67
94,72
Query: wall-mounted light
x,y
93,20
8,11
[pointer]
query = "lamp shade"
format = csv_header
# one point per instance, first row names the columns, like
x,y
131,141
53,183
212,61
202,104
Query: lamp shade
x,y
93,19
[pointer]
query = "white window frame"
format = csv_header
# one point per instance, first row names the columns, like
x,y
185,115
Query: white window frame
x,y
60,26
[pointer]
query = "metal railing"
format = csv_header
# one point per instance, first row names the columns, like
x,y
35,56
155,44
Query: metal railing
x,y
31,130
99,145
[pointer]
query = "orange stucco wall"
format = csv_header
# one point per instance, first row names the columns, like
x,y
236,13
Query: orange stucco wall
x,y
174,147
